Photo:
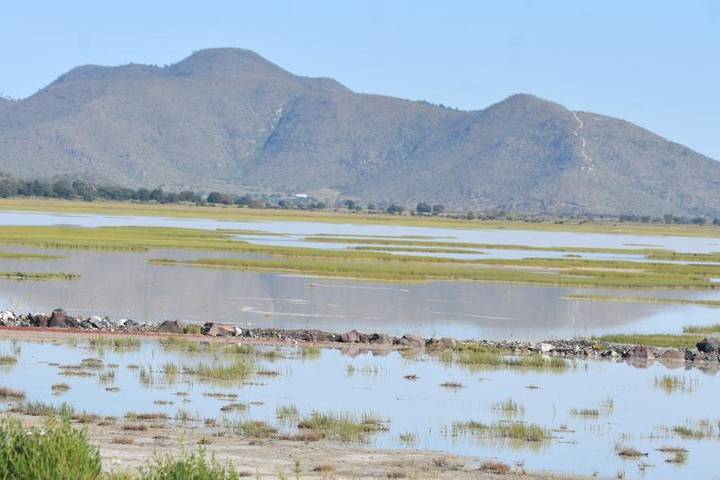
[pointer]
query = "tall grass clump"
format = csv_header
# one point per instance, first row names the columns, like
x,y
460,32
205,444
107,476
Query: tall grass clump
x,y
342,426
236,371
58,450
194,466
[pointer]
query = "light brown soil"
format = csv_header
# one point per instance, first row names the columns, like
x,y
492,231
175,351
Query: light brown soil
x,y
126,450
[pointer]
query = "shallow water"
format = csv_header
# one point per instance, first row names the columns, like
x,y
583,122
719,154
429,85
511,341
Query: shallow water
x,y
640,417
296,231
125,285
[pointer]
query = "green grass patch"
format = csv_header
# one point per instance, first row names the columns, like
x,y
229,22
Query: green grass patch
x,y
654,340
630,299
702,329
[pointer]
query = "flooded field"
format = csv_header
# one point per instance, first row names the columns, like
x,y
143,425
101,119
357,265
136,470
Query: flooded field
x,y
592,415
125,285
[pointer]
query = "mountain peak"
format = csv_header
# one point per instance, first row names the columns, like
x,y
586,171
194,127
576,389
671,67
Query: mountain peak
x,y
223,61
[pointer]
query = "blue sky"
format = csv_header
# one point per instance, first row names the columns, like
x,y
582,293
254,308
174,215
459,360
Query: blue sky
x,y
655,63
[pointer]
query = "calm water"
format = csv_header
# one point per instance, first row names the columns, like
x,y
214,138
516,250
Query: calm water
x,y
125,285
641,416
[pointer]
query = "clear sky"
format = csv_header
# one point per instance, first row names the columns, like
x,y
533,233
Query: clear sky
x,y
655,63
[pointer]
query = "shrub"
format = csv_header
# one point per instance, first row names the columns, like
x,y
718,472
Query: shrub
x,y
56,451
194,466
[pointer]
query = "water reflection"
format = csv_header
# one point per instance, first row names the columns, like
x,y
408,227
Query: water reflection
x,y
631,410
125,285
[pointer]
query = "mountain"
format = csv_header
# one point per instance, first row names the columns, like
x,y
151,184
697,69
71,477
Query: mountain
x,y
228,119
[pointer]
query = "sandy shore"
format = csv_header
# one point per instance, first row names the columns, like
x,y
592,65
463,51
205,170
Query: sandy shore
x,y
121,449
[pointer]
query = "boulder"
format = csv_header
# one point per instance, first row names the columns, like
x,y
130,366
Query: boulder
x,y
673,356
350,337
217,330
709,345
412,341
39,320
546,347
380,339
640,352
169,326
7,318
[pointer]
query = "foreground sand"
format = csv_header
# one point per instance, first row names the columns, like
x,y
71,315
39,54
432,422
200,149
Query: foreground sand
x,y
122,449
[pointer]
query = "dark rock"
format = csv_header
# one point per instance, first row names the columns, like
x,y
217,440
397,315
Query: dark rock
x,y
170,326
380,339
217,330
412,341
709,345
350,337
39,320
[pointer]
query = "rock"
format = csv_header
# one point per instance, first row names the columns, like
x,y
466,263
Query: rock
x,y
128,324
412,341
640,352
39,320
170,326
350,337
673,356
443,343
217,330
7,318
60,319
546,347
380,339
709,345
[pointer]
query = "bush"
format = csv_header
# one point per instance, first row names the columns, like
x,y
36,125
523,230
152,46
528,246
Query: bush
x,y
188,467
56,451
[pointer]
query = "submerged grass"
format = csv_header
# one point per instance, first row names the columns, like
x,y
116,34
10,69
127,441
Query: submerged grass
x,y
479,357
507,430
37,276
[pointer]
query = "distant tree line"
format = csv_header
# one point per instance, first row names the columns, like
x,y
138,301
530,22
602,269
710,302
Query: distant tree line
x,y
69,189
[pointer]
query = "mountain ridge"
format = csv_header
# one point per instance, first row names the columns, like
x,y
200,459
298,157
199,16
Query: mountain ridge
x,y
231,120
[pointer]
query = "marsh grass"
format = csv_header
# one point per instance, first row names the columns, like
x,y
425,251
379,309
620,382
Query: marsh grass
x,y
409,439
479,357
343,426
11,394
60,388
195,466
674,383
287,413
116,343
310,353
251,428
8,360
509,408
667,340
38,276
698,431
237,371
702,329
521,431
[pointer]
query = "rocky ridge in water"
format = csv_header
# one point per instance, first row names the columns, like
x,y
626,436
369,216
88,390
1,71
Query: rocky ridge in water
x,y
707,351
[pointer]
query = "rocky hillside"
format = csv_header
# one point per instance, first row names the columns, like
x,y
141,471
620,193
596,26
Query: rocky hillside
x,y
228,119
